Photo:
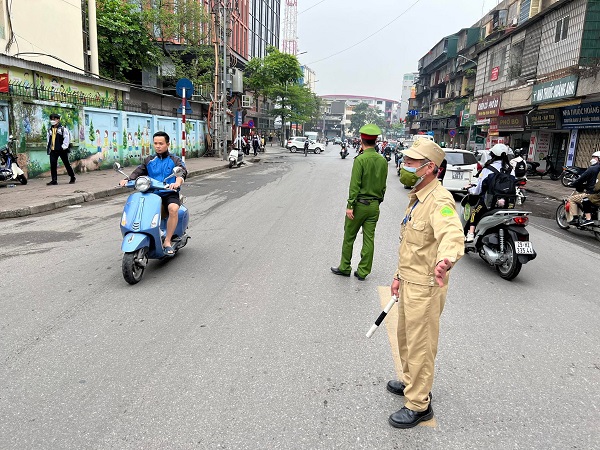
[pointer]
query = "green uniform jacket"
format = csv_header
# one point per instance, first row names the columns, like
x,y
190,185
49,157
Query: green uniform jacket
x,y
369,176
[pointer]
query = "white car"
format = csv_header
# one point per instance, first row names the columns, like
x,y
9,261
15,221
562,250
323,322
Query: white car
x,y
460,170
296,144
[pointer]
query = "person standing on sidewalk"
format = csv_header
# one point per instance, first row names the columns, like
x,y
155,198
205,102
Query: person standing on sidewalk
x,y
58,139
367,189
431,241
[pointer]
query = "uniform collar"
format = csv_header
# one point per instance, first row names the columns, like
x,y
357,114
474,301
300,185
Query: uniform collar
x,y
428,189
369,150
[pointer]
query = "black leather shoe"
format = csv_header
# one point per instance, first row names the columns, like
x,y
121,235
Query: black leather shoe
x,y
358,276
51,183
72,181
407,418
337,271
397,387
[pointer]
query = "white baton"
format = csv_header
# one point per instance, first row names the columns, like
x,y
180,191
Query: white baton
x,y
382,316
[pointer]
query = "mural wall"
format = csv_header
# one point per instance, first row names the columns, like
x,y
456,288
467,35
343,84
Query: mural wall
x,y
100,136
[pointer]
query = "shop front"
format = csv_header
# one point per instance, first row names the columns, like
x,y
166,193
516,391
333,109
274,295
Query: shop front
x,y
488,111
547,138
583,121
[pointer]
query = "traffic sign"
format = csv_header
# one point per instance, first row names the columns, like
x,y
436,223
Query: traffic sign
x,y
413,112
188,108
251,123
184,83
452,133
238,118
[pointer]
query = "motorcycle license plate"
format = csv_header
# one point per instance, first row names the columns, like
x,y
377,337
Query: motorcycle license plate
x,y
523,248
457,175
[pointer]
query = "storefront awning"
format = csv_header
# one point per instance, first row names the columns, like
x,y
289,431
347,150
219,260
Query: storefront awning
x,y
559,104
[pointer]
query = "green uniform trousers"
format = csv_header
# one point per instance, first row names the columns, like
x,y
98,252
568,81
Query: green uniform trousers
x,y
365,216
419,311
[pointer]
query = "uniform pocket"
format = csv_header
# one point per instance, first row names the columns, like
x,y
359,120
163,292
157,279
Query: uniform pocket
x,y
415,232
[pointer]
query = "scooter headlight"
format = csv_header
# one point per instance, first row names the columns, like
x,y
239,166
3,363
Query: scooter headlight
x,y
142,184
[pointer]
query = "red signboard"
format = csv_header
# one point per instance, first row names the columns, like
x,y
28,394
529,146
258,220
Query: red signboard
x,y
488,107
495,73
3,82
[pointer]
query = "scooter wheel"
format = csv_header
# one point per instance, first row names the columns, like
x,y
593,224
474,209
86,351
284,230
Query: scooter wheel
x,y
561,217
134,264
22,179
230,164
511,268
554,177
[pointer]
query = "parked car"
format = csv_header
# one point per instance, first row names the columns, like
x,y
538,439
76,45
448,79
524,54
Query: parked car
x,y
296,143
337,141
460,171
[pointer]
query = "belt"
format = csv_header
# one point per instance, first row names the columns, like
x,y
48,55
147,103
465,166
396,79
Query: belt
x,y
367,201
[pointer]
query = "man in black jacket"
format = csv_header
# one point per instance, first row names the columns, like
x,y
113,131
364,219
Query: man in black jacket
x,y
58,140
585,184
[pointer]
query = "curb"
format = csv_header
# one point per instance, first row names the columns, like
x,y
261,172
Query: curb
x,y
82,197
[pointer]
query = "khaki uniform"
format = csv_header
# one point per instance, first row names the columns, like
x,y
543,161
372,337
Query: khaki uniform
x,y
430,232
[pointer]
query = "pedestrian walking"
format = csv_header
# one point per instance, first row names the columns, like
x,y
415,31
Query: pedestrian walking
x,y
271,139
58,139
367,189
431,241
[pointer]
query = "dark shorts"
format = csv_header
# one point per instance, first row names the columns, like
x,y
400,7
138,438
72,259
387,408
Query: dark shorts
x,y
170,197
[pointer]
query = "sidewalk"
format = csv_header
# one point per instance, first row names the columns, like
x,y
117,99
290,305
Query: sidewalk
x,y
36,197
548,188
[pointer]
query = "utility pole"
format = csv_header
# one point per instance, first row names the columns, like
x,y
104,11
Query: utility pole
x,y
224,130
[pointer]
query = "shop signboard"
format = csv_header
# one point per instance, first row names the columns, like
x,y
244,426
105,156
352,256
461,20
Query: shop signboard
x,y
581,116
538,120
543,145
488,107
495,73
532,146
572,145
514,122
555,90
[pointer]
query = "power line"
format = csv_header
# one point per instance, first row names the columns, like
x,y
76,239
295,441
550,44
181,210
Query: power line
x,y
369,36
311,7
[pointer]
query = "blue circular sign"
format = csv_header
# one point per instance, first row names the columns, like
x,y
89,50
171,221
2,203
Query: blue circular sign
x,y
251,123
184,83
452,133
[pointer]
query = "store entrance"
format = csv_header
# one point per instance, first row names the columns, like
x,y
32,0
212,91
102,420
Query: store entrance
x,y
558,150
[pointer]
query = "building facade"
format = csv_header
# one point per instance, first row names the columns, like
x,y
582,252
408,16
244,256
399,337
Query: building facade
x,y
264,25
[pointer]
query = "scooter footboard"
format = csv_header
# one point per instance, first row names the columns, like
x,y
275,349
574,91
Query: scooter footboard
x,y
182,221
520,234
134,241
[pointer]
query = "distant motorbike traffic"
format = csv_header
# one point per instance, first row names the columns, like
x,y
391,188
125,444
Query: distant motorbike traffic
x,y
9,167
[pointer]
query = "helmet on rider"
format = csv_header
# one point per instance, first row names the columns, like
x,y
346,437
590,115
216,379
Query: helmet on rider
x,y
498,149
595,161
517,152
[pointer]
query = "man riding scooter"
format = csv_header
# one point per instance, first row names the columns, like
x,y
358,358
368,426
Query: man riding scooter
x,y
585,186
159,167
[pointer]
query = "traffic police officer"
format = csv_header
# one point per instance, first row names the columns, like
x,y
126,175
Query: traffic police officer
x,y
367,189
431,242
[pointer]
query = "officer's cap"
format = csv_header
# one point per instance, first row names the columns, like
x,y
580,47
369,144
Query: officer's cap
x,y
426,149
369,131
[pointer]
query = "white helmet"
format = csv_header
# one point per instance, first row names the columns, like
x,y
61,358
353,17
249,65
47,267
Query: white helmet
x,y
498,149
596,155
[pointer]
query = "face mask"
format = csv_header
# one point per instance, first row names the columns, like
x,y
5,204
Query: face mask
x,y
409,177
53,122
593,161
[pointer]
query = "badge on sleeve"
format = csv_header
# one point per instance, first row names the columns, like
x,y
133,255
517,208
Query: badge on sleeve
x,y
446,211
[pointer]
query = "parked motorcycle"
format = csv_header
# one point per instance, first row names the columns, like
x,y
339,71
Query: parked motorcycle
x,y
236,158
144,225
501,239
570,175
534,170
563,214
9,167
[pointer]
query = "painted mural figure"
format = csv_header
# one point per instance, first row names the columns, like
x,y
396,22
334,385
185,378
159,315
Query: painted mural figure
x,y
105,147
129,145
136,144
115,146
98,142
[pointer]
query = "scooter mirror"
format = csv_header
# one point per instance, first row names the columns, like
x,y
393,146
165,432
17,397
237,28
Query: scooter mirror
x,y
116,167
177,171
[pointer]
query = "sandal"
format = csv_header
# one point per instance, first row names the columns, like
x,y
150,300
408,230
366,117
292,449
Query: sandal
x,y
169,251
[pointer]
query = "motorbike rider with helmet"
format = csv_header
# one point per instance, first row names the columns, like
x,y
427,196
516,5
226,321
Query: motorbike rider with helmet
x,y
499,162
585,187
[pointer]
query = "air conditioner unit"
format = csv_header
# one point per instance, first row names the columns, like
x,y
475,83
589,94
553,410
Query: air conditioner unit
x,y
247,101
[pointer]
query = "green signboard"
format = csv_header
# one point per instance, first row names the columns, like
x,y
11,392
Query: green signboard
x,y
555,90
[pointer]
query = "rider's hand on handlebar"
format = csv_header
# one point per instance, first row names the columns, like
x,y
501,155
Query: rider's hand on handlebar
x,y
123,182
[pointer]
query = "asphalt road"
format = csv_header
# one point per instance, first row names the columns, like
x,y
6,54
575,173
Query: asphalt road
x,y
245,340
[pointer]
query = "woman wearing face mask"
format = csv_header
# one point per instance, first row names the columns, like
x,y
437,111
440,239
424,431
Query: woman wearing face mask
x,y
498,162
586,185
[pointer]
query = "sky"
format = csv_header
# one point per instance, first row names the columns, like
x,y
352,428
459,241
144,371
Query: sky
x,y
376,66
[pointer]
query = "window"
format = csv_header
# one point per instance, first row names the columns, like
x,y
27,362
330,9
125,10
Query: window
x,y
562,28
516,56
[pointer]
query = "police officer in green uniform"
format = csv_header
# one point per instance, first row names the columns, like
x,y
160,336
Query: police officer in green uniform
x,y
367,188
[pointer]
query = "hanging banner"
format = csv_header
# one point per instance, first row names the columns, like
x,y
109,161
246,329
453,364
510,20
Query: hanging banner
x,y
572,146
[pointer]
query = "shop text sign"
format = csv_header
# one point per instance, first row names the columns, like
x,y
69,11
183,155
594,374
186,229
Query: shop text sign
x,y
488,107
543,119
554,90
495,74
511,123
581,116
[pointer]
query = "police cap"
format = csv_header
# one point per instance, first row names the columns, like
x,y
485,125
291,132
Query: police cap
x,y
426,149
369,131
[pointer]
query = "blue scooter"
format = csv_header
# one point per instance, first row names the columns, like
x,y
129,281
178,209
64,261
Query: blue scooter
x,y
144,225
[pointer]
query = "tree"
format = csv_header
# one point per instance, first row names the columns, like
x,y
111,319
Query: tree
x,y
124,40
276,77
363,114
180,30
